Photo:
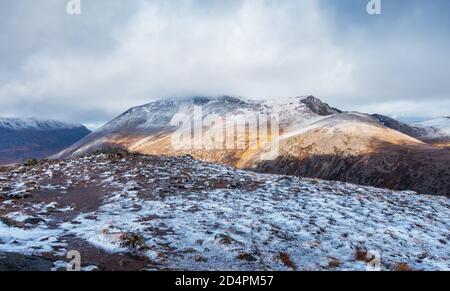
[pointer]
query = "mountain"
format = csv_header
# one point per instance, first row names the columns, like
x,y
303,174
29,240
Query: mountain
x,y
21,139
363,152
411,130
128,212
315,140
441,125
436,131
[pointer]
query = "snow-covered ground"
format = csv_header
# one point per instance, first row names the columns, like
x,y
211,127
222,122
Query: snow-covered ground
x,y
183,214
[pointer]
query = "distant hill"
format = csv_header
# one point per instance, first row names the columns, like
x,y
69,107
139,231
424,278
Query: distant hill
x,y
21,139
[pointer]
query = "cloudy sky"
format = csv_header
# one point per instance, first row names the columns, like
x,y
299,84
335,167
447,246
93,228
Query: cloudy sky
x,y
120,53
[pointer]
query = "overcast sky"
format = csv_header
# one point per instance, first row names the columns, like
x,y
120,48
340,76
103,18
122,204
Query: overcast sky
x,y
120,53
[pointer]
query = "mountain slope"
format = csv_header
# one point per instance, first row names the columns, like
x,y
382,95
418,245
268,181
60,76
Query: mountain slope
x,y
336,143
348,149
405,128
435,131
134,212
441,125
21,139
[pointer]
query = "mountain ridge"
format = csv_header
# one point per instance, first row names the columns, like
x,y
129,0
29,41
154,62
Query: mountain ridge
x,y
308,128
22,139
35,123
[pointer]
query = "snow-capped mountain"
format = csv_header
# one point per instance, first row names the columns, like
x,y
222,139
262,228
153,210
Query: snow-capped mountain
x,y
144,121
440,124
436,130
21,139
315,140
36,124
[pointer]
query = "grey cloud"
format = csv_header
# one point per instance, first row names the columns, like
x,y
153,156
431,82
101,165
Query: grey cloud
x,y
119,54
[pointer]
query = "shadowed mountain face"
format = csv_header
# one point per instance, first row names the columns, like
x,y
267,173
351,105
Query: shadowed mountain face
x,y
392,166
315,140
24,139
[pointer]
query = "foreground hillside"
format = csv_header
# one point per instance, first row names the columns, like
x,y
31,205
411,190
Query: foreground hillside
x,y
133,212
315,141
22,139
